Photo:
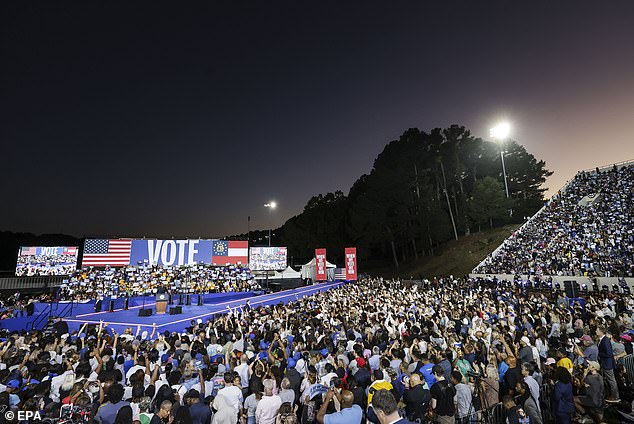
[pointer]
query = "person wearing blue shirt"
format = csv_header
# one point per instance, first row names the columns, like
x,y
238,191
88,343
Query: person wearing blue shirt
x,y
425,371
350,413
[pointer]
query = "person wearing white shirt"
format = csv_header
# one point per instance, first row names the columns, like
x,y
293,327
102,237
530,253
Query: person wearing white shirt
x,y
243,372
269,405
231,393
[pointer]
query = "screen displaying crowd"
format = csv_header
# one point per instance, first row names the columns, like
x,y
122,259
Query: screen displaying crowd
x,y
268,258
95,283
569,238
446,350
33,261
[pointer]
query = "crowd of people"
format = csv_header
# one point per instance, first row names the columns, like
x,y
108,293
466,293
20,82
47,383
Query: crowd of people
x,y
575,234
93,283
447,350
33,265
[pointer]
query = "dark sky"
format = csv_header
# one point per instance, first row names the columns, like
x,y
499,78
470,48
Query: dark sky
x,y
182,118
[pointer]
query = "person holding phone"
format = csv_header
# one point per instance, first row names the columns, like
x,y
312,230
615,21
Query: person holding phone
x,y
350,413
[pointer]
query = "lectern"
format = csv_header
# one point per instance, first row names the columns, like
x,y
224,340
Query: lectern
x,y
161,303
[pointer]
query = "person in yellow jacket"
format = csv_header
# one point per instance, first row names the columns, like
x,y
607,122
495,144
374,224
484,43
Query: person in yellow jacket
x,y
378,382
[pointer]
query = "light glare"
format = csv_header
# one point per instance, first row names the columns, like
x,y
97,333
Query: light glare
x,y
500,131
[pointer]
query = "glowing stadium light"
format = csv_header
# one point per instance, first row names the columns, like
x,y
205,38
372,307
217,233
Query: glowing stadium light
x,y
272,204
501,131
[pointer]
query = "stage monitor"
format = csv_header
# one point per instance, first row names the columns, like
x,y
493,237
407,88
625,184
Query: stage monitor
x,y
267,258
46,261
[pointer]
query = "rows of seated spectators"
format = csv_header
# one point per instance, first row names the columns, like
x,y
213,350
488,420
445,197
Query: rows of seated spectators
x,y
570,238
92,283
444,351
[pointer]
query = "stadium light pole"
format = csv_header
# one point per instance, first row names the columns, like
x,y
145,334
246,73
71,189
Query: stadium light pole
x,y
499,134
271,205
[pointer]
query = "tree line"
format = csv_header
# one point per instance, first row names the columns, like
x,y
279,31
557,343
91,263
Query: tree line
x,y
424,189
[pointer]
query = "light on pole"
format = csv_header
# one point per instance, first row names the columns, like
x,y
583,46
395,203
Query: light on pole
x,y
271,205
500,133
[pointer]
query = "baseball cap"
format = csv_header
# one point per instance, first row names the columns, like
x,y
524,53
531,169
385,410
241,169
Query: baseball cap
x,y
550,361
525,340
586,338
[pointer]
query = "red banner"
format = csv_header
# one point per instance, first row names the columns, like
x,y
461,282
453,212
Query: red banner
x,y
351,263
320,265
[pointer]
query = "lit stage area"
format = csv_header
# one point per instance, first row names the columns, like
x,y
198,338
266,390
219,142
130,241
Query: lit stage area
x,y
120,319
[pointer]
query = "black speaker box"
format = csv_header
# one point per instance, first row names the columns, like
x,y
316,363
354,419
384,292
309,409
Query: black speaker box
x,y
145,312
175,310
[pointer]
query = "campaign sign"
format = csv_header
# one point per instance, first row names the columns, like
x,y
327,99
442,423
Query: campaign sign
x,y
320,265
351,263
171,252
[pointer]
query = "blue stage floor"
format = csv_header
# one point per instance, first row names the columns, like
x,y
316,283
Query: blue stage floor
x,y
121,319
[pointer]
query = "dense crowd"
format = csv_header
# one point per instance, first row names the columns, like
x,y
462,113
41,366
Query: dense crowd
x,y
32,265
570,237
444,351
92,283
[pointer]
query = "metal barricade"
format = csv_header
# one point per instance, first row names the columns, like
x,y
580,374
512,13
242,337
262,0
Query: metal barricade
x,y
498,414
628,363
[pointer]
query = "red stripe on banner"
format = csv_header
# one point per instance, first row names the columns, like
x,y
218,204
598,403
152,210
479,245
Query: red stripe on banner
x,y
233,260
237,244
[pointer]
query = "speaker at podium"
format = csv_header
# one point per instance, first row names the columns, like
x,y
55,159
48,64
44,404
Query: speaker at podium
x,y
161,302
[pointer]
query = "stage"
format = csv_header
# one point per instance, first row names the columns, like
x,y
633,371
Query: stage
x,y
120,319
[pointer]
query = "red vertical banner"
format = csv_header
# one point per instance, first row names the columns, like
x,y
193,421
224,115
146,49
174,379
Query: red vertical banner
x,y
320,265
351,263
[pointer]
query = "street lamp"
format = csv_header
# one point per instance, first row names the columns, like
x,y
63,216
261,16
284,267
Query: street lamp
x,y
271,205
500,133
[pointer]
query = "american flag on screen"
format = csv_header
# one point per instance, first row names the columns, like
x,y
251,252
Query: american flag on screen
x,y
229,252
71,251
100,252
28,251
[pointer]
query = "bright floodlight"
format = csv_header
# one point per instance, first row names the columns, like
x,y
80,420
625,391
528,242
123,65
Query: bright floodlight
x,y
501,131
271,205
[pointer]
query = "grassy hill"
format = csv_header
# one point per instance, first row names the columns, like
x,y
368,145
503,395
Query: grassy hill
x,y
457,257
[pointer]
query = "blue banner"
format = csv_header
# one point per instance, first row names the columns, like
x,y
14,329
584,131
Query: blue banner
x,y
171,252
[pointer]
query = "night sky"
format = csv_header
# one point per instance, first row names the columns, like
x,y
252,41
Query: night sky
x,y
159,119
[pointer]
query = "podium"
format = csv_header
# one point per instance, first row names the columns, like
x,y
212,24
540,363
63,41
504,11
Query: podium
x,y
161,303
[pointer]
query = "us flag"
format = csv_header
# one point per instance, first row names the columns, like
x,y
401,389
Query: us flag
x,y
100,252
28,251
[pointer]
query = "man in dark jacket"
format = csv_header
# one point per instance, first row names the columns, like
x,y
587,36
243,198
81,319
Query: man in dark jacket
x,y
608,364
417,399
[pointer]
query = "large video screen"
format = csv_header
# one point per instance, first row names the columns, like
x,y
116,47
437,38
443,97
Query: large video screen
x,y
267,258
46,261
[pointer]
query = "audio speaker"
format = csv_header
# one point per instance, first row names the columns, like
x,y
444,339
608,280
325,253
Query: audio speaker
x,y
175,310
145,312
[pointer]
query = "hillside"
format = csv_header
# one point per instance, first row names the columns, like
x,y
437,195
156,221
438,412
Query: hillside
x,y
457,257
